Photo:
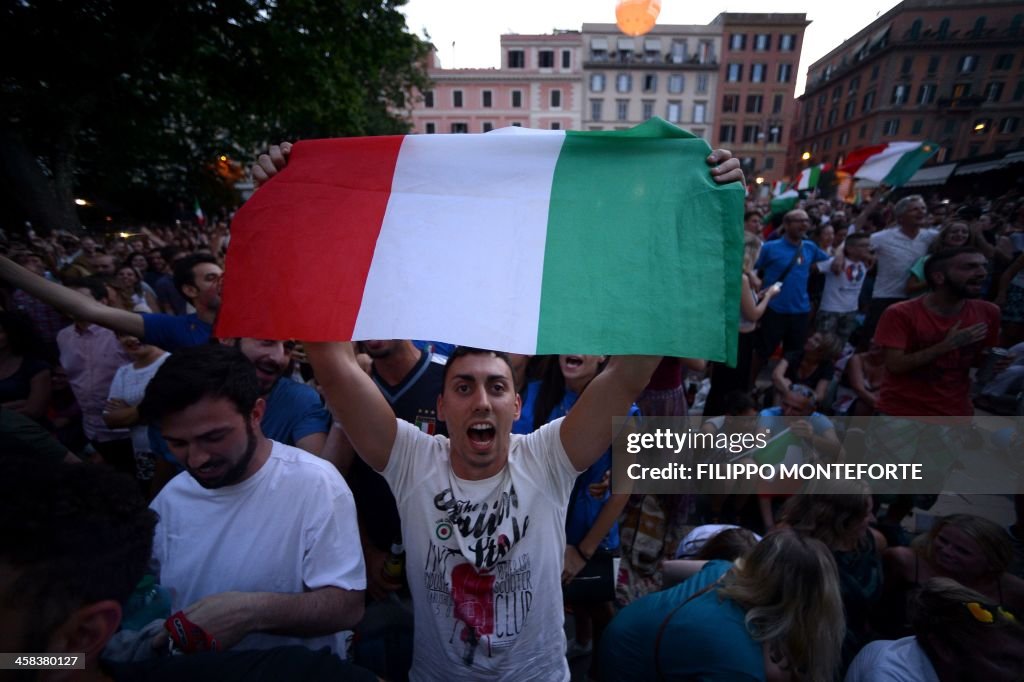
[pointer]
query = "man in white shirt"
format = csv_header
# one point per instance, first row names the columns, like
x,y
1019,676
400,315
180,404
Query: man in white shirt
x,y
896,249
257,541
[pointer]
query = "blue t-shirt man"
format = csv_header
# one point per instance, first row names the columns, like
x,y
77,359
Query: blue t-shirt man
x,y
775,257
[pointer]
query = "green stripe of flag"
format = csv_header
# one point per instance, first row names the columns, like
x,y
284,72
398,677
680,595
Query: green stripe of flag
x,y
635,223
909,164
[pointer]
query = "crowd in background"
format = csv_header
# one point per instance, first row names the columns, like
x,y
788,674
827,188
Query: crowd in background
x,y
832,589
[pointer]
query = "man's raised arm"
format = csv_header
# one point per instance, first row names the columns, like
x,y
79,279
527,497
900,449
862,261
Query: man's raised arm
x,y
70,302
587,431
355,401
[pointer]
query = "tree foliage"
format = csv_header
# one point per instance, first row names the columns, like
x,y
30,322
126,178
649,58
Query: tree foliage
x,y
123,99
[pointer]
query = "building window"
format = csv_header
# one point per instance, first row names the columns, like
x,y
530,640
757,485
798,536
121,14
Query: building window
x,y
751,133
891,127
917,126
900,93
833,117
869,103
908,66
595,109
623,82
961,90
675,83
982,126
754,104
734,73
844,137
785,73
460,127
738,41
757,73
546,59
678,53
979,27
967,64
915,29
648,109
762,42
819,120
702,83
651,82
874,73
566,59
850,110
730,104
769,162
457,99
775,135
556,99
862,132
486,99
516,59
700,112
926,94
1009,125
994,92
726,133
675,111
622,109
787,42
428,99
854,85
933,64
555,125
487,126
1004,62
1018,92
431,128
943,28
827,144
777,104
516,124
597,82
517,99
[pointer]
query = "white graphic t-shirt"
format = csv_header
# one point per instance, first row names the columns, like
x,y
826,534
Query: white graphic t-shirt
x,y
484,558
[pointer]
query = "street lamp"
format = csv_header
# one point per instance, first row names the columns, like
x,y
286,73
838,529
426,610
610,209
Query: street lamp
x,y
806,156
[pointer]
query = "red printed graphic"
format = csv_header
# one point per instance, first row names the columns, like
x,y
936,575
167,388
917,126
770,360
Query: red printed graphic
x,y
473,596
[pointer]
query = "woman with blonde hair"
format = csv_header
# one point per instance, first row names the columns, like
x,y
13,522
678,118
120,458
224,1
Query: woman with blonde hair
x,y
753,303
973,551
776,615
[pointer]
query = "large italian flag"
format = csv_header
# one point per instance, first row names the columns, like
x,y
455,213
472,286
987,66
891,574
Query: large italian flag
x,y
517,240
891,164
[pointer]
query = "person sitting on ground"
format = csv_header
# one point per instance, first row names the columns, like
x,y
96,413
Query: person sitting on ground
x,y
839,514
775,614
811,366
957,635
972,550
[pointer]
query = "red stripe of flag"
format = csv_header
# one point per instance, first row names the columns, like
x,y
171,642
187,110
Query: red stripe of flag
x,y
315,226
857,157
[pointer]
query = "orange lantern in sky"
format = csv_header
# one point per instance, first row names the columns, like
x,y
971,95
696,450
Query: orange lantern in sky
x,y
637,17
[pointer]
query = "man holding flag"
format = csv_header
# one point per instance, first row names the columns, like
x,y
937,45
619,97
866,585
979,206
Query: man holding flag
x,y
483,510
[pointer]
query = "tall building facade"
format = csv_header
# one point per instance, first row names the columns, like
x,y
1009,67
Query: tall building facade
x,y
949,71
757,81
671,72
537,86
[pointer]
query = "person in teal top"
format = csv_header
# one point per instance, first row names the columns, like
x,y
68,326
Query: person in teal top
x,y
775,611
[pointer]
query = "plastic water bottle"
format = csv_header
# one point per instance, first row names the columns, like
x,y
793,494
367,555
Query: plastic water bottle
x,y
148,602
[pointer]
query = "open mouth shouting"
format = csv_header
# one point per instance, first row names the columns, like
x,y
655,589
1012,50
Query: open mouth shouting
x,y
481,436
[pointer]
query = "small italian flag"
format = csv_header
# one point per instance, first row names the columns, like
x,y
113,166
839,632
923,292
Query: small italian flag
x,y
785,202
611,242
809,177
200,217
891,164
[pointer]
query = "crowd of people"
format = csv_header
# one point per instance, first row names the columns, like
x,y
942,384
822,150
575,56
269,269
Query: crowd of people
x,y
400,509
